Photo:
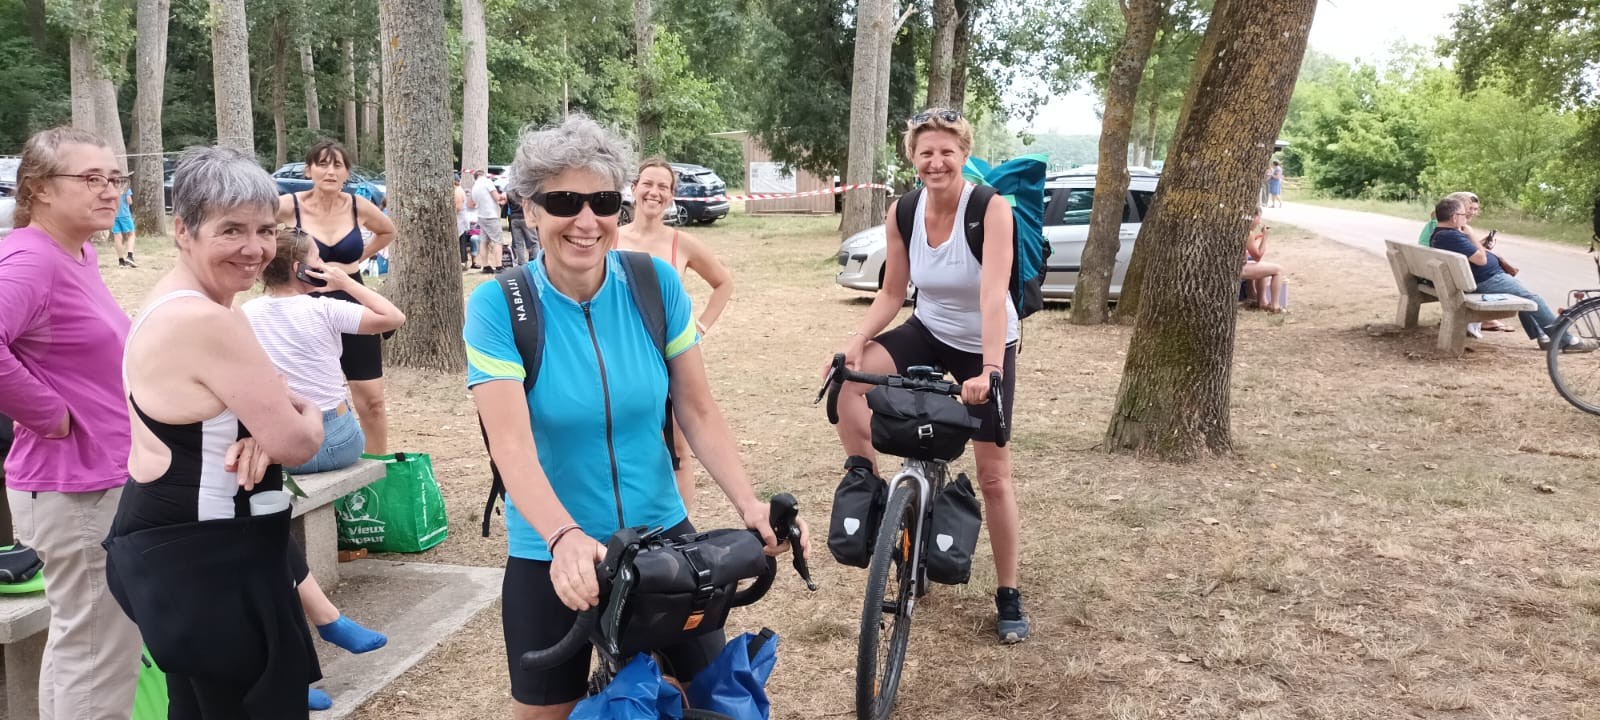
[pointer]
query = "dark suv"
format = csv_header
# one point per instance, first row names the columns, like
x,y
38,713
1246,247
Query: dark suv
x,y
695,181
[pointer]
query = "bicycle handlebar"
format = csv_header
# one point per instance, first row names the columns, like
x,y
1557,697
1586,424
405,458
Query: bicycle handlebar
x,y
618,569
838,375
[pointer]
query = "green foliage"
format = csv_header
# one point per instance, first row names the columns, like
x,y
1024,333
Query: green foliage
x,y
801,113
30,97
1359,132
684,104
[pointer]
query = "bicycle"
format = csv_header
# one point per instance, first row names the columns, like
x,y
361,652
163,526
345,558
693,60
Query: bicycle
x,y
605,626
899,550
1579,386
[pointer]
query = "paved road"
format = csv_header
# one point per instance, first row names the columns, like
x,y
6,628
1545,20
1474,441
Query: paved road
x,y
1547,268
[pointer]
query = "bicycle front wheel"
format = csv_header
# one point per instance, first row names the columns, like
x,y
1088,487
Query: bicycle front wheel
x,y
1576,376
891,597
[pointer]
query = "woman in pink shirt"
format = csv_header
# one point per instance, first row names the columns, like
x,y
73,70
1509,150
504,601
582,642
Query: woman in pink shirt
x,y
61,338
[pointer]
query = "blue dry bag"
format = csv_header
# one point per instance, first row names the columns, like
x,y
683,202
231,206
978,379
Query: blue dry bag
x,y
735,684
637,693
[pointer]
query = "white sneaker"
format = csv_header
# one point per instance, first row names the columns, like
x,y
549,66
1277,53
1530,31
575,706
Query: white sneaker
x,y
1475,330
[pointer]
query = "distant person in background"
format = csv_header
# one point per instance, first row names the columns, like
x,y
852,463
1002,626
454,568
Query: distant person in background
x,y
524,241
122,231
486,199
1493,277
61,338
1471,206
653,191
1275,185
1270,287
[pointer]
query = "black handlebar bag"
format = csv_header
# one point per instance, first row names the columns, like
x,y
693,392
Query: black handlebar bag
x,y
919,425
686,587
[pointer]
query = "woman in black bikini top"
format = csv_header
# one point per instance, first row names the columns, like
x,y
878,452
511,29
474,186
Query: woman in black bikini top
x,y
320,212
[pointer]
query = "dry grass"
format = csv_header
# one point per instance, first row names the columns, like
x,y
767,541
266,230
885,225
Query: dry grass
x,y
1374,549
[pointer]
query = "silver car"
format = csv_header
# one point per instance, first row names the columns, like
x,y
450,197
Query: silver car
x,y
1068,198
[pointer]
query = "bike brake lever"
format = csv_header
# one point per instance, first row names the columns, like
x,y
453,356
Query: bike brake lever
x,y
826,382
783,516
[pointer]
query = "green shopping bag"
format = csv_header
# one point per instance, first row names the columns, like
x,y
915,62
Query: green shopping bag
x,y
150,695
403,512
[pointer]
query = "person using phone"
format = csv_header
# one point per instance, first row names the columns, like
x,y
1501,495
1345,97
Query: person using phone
x,y
302,334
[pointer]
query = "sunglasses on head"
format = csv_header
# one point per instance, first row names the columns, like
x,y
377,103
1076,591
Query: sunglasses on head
x,y
563,203
948,116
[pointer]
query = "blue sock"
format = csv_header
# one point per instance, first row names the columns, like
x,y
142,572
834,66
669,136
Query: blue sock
x,y
317,699
346,633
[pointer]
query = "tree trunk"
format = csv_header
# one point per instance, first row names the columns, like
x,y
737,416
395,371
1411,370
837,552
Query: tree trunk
x,y
880,109
280,72
352,123
34,16
960,54
1174,399
150,76
230,69
308,75
1153,133
1133,280
1092,291
872,24
426,279
941,54
84,75
369,114
644,43
475,90
109,120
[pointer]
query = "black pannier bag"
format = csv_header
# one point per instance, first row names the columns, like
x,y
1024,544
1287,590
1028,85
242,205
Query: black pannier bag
x,y
685,585
857,510
957,516
920,425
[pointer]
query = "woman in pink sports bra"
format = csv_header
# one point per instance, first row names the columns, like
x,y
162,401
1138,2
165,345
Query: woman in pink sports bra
x,y
653,190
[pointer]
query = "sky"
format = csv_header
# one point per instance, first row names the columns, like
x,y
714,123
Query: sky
x,y
1345,29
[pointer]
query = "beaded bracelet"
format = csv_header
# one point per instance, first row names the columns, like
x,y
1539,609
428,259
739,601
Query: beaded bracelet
x,y
560,532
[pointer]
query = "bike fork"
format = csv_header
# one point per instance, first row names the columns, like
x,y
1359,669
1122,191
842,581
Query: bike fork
x,y
918,471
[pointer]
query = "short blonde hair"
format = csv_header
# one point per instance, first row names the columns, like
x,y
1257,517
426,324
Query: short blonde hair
x,y
938,119
41,158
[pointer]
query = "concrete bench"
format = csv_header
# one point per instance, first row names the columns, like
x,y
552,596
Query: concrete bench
x,y
1452,287
24,618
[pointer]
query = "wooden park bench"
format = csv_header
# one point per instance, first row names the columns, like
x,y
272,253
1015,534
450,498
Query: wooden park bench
x,y
1452,287
24,618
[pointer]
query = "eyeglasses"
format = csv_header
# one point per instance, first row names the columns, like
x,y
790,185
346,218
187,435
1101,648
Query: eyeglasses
x,y
948,116
562,203
98,182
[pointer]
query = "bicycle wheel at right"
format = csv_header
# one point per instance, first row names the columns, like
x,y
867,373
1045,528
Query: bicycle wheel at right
x,y
1576,375
886,611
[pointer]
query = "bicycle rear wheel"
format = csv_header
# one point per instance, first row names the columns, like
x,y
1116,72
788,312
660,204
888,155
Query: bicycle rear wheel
x,y
1576,376
890,599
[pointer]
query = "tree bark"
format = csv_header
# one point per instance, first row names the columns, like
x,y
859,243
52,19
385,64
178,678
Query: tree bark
x,y
280,72
1092,291
150,76
352,123
230,68
1133,280
369,115
34,16
475,87
960,54
941,54
84,74
109,119
1174,398
880,108
644,43
872,24
426,279
308,76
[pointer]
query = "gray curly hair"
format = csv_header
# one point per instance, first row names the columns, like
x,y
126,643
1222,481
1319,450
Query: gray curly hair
x,y
213,180
578,142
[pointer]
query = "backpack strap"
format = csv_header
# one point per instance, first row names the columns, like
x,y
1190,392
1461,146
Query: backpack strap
x,y
905,215
527,330
645,286
977,206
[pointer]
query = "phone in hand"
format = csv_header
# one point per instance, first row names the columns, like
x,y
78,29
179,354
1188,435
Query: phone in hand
x,y
306,277
1488,242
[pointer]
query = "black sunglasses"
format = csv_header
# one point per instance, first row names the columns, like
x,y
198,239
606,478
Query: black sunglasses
x,y
563,203
948,116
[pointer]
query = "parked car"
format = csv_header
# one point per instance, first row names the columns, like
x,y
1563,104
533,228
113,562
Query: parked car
x,y
8,205
696,181
8,174
1068,197
292,178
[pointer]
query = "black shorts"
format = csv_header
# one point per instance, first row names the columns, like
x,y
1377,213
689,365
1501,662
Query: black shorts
x,y
534,618
912,344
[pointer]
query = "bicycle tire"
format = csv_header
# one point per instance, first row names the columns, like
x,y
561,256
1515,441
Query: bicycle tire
x,y
875,694
1584,322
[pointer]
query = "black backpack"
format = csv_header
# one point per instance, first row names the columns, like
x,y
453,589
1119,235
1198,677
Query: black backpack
x,y
527,328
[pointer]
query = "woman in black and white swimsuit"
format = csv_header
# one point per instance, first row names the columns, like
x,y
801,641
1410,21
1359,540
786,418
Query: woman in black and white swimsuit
x,y
210,586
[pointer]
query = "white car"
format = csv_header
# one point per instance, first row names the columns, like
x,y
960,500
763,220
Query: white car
x,y
1068,198
7,207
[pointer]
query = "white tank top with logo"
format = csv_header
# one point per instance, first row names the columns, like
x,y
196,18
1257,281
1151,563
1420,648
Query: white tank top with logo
x,y
948,280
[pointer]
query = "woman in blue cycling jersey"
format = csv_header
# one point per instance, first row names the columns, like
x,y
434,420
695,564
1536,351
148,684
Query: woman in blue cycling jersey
x,y
582,453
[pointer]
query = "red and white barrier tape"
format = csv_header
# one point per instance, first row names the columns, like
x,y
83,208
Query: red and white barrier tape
x,y
835,190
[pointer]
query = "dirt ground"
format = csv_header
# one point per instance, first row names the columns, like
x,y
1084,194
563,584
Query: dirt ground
x,y
1378,547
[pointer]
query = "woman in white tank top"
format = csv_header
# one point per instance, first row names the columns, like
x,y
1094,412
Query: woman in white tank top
x,y
964,322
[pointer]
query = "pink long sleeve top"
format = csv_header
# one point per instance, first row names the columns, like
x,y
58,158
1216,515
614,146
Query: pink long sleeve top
x,y
61,338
